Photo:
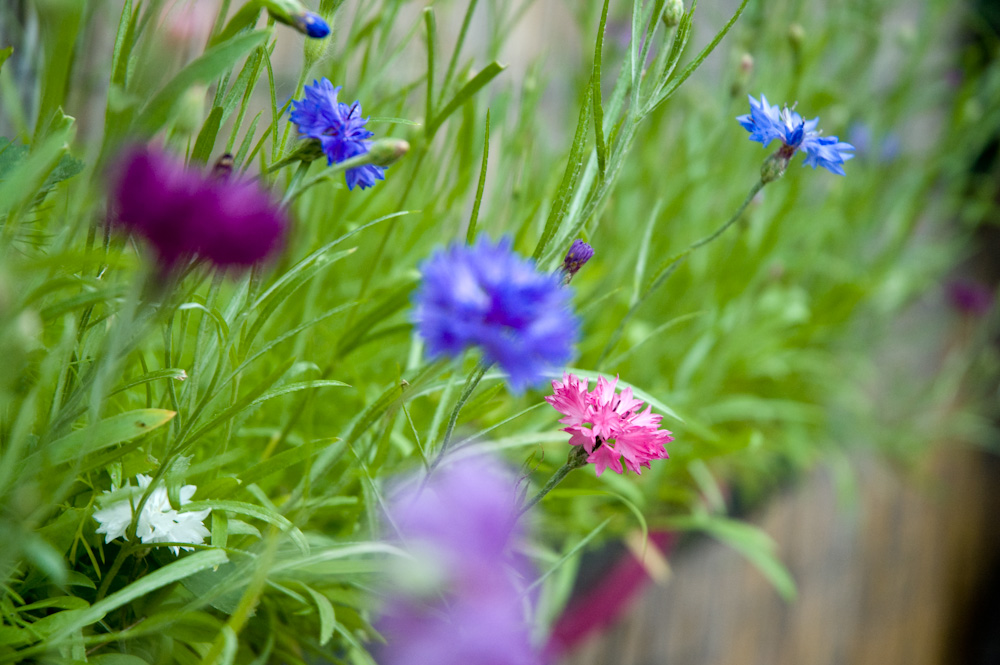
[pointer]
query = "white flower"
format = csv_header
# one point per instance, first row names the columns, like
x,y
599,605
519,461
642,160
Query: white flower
x,y
158,521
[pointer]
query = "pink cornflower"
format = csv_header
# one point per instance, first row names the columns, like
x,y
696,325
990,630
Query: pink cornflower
x,y
609,426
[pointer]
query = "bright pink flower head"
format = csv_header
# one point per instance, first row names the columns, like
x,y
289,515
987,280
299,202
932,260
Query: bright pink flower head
x,y
610,426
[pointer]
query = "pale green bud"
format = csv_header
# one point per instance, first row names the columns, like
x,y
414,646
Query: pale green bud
x,y
796,36
385,152
774,167
673,12
191,111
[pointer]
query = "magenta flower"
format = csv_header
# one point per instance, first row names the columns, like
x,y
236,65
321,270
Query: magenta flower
x,y
183,213
460,600
609,426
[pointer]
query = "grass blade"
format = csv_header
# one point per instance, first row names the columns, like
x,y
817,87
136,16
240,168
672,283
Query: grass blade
x,y
485,75
470,235
595,82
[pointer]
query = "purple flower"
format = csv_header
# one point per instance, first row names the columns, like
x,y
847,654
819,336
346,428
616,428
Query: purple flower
x,y
339,128
488,296
767,123
183,213
970,297
579,253
461,598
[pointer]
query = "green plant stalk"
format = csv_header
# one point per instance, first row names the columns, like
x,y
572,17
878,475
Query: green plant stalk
x,y
470,386
577,458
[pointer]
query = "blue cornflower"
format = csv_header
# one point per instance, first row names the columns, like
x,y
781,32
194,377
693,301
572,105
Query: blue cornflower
x,y
488,296
767,123
339,128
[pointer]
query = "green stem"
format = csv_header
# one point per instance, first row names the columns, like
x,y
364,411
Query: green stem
x,y
577,458
123,554
668,268
293,186
470,386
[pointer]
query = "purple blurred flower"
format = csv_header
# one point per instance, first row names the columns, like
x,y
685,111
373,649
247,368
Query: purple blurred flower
x,y
767,123
183,213
486,295
461,599
339,128
970,297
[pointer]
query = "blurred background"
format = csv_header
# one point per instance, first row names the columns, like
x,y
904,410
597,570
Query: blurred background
x,y
834,361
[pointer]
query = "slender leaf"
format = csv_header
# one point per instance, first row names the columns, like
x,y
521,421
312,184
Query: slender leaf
x,y
470,235
210,65
485,75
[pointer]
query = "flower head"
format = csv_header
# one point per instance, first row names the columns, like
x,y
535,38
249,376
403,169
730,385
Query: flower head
x,y
339,128
181,212
609,426
488,296
767,123
158,521
579,253
459,600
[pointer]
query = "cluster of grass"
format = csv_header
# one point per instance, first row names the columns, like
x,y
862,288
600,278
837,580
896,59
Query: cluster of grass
x,y
291,393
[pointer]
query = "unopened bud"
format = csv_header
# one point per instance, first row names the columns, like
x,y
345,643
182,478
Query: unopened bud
x,y
191,110
796,36
743,72
223,167
774,166
673,12
294,13
579,253
312,25
386,152
314,49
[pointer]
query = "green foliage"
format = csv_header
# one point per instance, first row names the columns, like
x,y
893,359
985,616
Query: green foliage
x,y
292,393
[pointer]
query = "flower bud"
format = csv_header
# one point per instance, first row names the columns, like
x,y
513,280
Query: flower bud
x,y
743,72
191,110
774,166
385,152
312,25
579,253
294,13
314,50
223,167
673,12
796,36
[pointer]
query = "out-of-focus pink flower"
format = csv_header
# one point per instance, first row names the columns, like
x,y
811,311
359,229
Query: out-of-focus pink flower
x,y
610,426
189,21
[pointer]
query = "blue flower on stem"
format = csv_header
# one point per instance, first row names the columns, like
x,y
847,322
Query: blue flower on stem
x,y
339,128
767,123
488,296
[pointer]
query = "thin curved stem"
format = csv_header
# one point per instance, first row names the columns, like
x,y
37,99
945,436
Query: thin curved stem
x,y
470,386
668,268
